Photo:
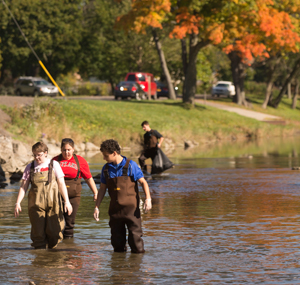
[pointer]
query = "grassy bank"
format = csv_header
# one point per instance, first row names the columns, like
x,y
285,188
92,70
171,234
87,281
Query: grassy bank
x,y
96,120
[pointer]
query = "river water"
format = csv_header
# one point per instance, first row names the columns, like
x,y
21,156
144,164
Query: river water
x,y
226,214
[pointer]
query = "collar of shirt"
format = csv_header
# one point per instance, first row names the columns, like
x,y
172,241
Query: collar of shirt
x,y
118,166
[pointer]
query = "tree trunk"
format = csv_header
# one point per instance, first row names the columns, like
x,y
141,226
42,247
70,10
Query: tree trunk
x,y
289,94
191,70
272,68
238,75
277,100
164,66
184,62
295,97
268,94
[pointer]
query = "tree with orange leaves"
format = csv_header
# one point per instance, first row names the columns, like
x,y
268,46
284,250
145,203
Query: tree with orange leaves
x,y
260,33
244,29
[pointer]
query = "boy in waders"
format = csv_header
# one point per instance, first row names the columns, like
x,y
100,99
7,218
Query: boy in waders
x,y
44,201
120,175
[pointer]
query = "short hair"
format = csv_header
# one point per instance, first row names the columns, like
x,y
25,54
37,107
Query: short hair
x,y
67,141
145,123
110,146
39,147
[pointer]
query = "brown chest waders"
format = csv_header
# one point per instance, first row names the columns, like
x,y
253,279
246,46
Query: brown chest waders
x,y
45,209
124,211
149,151
74,191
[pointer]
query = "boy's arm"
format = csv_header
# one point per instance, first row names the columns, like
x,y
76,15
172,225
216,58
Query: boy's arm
x,y
101,194
144,184
160,142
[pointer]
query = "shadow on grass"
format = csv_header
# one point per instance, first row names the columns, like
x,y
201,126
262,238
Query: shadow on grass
x,y
172,103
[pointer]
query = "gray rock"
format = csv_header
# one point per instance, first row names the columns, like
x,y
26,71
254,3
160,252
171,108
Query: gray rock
x,y
91,147
79,147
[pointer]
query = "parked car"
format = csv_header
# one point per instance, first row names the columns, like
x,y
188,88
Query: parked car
x,y
142,79
129,89
223,88
35,86
163,90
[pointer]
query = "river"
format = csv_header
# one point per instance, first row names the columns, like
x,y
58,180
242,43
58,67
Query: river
x,y
226,214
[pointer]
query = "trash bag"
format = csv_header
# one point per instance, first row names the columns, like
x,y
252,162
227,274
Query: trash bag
x,y
160,162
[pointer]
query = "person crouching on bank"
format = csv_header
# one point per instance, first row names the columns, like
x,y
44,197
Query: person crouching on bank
x,y
120,176
44,201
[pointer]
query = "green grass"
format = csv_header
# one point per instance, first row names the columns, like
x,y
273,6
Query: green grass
x,y
97,120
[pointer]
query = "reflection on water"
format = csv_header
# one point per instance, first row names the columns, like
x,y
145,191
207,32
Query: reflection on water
x,y
216,219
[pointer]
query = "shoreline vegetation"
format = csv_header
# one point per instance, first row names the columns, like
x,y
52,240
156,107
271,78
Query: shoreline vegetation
x,y
97,120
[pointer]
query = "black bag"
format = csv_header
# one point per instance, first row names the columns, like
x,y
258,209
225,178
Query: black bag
x,y
160,162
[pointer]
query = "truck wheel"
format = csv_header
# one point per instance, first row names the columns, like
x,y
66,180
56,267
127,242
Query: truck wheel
x,y
18,93
36,93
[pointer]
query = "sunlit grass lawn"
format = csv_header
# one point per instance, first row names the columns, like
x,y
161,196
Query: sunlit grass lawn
x,y
122,120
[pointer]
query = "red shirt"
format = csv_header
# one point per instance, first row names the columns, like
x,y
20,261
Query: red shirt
x,y
69,167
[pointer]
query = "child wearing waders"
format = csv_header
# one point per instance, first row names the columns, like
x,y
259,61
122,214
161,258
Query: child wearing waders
x,y
44,200
120,176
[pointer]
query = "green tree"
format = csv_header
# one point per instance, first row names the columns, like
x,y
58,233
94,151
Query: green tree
x,y
53,28
109,53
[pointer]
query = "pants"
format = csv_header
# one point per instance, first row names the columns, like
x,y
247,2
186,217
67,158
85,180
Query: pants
x,y
46,227
118,233
151,152
70,220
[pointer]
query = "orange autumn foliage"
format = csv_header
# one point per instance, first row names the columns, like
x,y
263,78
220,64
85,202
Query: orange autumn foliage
x,y
254,30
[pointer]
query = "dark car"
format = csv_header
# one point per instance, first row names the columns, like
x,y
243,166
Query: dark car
x,y
129,89
35,86
163,90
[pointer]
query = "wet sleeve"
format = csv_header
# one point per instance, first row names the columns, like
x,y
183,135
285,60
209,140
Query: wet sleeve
x,y
57,170
26,173
102,179
84,168
135,171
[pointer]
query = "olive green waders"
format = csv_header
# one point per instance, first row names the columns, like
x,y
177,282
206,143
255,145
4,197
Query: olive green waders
x,y
45,209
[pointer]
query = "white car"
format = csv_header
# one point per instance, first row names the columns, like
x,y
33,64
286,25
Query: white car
x,y
223,88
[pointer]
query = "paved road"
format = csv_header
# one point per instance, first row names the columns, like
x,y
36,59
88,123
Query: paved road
x,y
243,112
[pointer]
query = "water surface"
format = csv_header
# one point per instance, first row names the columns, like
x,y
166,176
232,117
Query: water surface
x,y
223,215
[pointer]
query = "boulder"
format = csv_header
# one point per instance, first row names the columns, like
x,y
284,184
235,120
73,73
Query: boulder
x,y
168,144
91,147
79,147
53,149
13,156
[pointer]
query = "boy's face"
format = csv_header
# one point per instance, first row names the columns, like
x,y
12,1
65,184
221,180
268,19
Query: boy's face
x,y
110,157
146,128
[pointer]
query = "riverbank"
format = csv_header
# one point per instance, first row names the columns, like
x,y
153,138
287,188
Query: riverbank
x,y
97,120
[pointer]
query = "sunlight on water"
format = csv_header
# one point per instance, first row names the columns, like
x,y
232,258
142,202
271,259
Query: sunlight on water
x,y
215,220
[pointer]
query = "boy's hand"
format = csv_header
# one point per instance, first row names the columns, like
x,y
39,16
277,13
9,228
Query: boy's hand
x,y
96,214
147,205
17,209
68,208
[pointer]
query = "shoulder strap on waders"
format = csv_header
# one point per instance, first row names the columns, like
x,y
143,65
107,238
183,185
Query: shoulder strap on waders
x,y
50,170
78,166
125,168
31,170
105,171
